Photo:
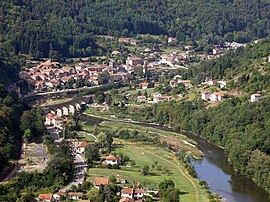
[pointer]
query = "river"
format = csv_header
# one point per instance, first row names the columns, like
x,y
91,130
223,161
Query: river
x,y
215,170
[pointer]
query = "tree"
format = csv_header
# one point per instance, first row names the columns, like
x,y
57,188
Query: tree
x,y
145,170
26,121
103,78
91,154
27,135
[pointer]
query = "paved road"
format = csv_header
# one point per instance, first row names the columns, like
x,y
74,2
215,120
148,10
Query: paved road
x,y
80,170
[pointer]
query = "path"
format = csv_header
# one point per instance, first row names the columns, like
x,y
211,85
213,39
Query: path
x,y
80,170
90,134
196,192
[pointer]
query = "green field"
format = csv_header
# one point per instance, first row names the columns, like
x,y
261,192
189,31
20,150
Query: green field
x,y
169,168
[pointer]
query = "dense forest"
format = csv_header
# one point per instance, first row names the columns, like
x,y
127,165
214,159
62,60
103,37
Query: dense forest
x,y
10,111
246,68
69,28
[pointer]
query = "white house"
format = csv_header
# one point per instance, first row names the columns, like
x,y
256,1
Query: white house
x,y
222,84
112,160
216,97
75,195
65,111
57,196
138,193
77,106
132,61
72,109
144,85
127,192
206,95
57,121
48,119
255,97
81,147
132,193
59,112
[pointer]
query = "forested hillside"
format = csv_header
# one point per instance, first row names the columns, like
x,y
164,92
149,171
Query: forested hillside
x,y
246,69
10,112
69,27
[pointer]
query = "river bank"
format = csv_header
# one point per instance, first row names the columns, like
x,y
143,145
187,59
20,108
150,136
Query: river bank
x,y
235,187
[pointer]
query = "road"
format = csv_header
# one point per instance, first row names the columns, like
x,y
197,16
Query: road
x,y
80,170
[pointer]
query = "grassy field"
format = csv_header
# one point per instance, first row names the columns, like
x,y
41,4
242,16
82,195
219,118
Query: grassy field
x,y
56,101
167,167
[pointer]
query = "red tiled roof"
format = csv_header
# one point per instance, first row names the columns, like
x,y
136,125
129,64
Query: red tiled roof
x,y
101,180
127,191
112,158
126,199
60,193
75,194
144,84
138,191
83,144
45,196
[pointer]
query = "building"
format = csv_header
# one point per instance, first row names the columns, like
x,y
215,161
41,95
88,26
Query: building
x,y
133,61
126,199
132,193
57,121
72,109
58,196
206,95
45,197
112,160
100,181
141,98
216,97
144,85
48,119
82,146
255,97
65,111
59,112
75,195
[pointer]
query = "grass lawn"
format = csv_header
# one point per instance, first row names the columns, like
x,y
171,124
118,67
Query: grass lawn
x,y
168,167
56,101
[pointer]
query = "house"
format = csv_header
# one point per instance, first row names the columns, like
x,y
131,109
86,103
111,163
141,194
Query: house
x,y
116,52
45,197
78,106
74,142
141,98
132,193
187,83
173,83
138,193
268,59
161,99
206,95
133,61
216,97
83,200
53,83
100,181
82,146
255,97
57,121
59,196
222,84
126,199
48,119
65,111
144,85
112,160
127,192
72,109
59,112
75,195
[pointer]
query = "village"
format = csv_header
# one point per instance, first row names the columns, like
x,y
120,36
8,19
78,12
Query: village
x,y
144,73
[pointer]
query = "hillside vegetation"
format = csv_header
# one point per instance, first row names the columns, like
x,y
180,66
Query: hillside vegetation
x,y
69,27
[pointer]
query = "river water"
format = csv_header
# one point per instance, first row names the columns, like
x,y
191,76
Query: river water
x,y
215,170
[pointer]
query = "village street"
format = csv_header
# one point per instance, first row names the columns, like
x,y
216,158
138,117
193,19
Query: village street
x,y
80,169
